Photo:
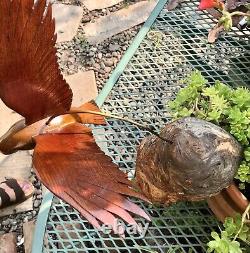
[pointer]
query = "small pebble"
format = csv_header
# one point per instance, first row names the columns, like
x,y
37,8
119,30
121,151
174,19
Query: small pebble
x,y
114,47
99,56
86,18
6,222
107,69
109,63
36,203
39,196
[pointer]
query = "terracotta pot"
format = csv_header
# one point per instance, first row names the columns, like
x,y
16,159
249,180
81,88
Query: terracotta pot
x,y
228,202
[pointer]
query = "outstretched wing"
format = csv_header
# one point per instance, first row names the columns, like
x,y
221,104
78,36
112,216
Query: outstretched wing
x,y
30,81
74,168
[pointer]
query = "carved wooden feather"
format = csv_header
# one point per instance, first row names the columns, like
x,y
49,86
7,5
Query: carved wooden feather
x,y
30,81
74,168
66,158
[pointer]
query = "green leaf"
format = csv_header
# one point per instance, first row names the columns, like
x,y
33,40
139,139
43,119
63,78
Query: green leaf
x,y
213,245
229,226
196,80
215,235
185,112
223,90
210,91
214,115
234,247
247,154
235,115
243,173
241,97
221,104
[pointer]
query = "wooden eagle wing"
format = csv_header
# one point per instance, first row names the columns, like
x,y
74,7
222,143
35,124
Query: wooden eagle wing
x,y
74,168
30,80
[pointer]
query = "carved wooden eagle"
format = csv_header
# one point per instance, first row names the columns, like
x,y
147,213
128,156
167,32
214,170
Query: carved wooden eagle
x,y
66,157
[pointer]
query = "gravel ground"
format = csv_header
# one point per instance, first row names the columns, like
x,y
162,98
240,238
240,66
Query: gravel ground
x,y
78,55
74,56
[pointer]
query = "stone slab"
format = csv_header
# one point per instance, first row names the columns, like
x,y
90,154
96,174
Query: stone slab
x,y
99,4
28,233
119,21
8,243
67,19
17,165
83,85
8,118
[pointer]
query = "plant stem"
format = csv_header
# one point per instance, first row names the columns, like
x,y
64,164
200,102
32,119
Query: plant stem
x,y
239,13
243,219
109,115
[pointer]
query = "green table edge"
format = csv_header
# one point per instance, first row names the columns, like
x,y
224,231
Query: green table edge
x,y
38,239
129,53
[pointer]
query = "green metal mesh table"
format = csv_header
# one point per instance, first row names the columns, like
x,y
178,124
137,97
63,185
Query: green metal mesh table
x,y
168,47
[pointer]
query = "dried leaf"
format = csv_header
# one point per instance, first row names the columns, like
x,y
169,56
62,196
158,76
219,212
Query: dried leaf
x,y
215,32
74,168
30,81
233,4
173,4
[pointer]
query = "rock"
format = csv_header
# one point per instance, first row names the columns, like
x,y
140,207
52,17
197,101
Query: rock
x,y
99,4
28,232
39,196
114,47
37,203
67,19
18,164
38,191
109,63
9,116
109,25
99,56
84,87
102,65
96,66
86,18
8,243
91,54
107,69
6,222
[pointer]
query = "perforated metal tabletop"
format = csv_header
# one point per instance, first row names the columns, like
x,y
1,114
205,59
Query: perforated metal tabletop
x,y
169,46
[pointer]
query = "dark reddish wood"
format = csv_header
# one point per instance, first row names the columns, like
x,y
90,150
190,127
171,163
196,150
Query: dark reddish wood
x,y
228,202
30,81
87,118
19,136
66,158
74,168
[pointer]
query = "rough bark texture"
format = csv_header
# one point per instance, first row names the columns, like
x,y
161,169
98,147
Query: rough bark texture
x,y
201,161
